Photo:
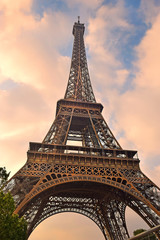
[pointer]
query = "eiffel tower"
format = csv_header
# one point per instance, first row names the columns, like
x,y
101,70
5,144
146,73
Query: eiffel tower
x,y
80,166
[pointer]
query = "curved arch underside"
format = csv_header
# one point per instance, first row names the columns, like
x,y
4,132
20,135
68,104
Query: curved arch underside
x,y
103,204
133,182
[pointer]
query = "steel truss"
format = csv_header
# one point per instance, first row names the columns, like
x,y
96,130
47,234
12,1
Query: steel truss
x,y
96,177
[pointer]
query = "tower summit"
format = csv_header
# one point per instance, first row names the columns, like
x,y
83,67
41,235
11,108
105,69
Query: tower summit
x,y
94,176
79,85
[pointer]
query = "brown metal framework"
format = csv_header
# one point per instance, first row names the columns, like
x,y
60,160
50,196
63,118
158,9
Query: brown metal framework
x,y
94,176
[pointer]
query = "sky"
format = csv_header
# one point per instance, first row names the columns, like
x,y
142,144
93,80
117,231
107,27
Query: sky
x,y
122,43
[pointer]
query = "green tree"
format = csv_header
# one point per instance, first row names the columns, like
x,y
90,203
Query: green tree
x,y
138,231
150,237
3,176
11,226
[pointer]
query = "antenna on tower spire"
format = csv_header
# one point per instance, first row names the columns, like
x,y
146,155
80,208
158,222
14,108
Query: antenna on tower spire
x,y
78,19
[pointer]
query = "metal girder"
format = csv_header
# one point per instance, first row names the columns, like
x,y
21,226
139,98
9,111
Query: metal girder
x,y
79,85
81,124
98,204
42,175
97,179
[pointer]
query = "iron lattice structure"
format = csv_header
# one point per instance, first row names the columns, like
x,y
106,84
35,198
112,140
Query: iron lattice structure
x,y
95,176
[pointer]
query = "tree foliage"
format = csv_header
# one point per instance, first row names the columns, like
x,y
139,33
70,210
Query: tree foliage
x,y
150,237
138,231
11,226
3,176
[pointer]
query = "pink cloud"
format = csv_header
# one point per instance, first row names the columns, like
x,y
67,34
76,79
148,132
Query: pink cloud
x,y
141,113
137,111
30,58
102,44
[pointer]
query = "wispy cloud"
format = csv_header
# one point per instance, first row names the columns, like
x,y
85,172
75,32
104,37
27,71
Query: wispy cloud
x,y
32,78
137,111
